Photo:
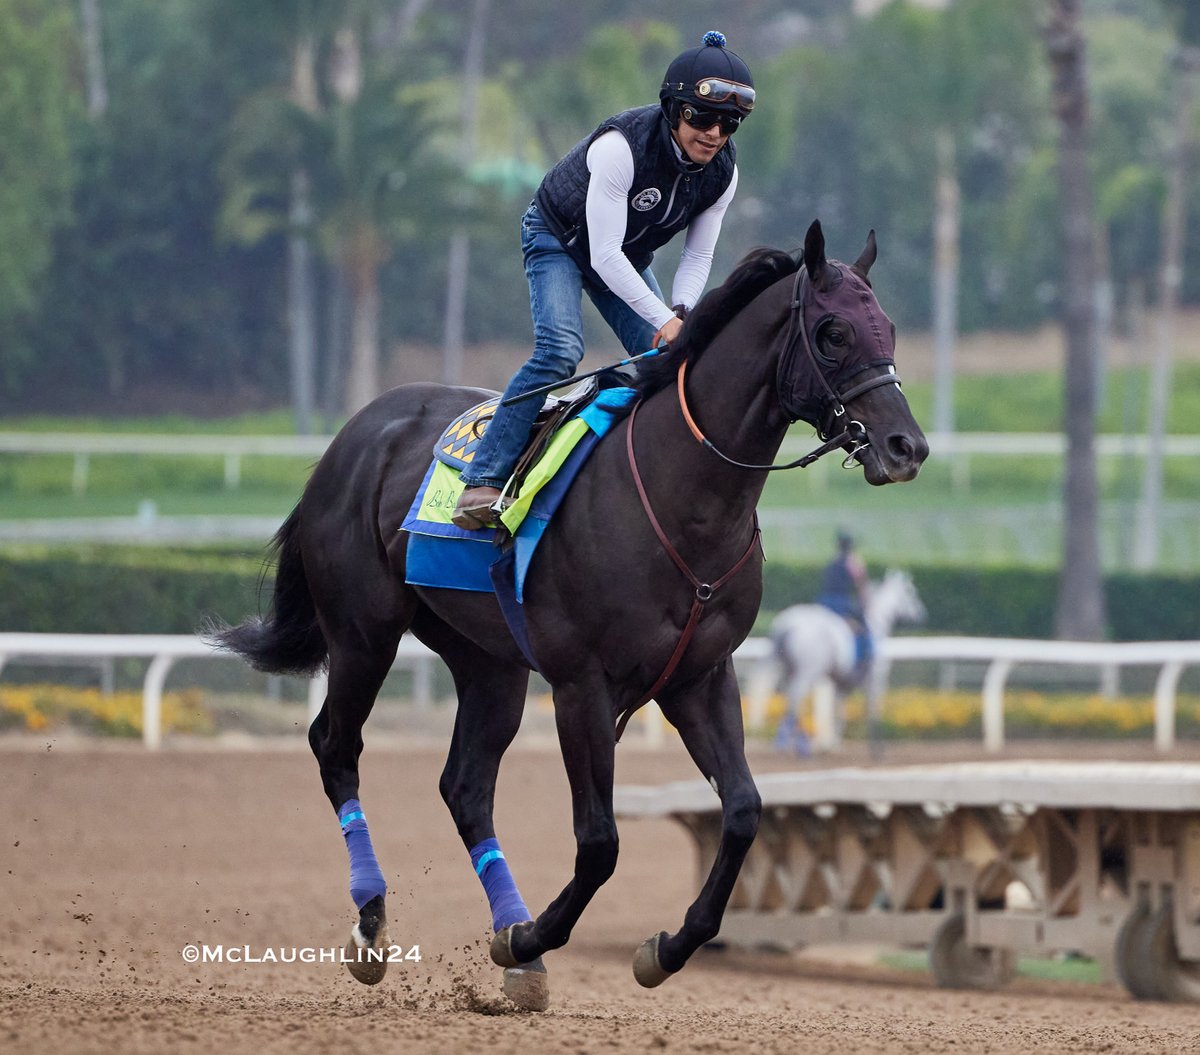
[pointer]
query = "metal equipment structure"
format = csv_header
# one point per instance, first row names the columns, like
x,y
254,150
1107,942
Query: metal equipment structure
x,y
976,861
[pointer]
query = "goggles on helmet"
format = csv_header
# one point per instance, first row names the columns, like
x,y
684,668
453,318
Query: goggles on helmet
x,y
702,119
718,90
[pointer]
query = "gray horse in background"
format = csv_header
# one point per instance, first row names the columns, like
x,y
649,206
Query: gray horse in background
x,y
813,649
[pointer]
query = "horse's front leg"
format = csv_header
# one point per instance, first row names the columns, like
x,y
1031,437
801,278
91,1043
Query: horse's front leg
x,y
587,737
708,715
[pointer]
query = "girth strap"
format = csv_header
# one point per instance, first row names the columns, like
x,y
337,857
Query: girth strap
x,y
704,591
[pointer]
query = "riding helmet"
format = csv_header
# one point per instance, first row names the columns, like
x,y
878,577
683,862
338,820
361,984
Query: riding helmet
x,y
710,77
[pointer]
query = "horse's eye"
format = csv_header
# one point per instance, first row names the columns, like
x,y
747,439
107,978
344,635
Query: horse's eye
x,y
837,338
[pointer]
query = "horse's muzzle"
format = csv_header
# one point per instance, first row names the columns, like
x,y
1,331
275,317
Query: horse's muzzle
x,y
895,458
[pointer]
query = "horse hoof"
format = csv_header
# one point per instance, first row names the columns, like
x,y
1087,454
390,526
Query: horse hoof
x,y
646,968
528,986
501,948
367,960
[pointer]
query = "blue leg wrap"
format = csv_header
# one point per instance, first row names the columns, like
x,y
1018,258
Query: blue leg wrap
x,y
366,877
490,865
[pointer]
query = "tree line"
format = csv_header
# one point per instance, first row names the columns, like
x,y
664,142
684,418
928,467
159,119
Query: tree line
x,y
217,195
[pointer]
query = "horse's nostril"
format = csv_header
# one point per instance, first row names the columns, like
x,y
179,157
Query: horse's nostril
x,y
900,447
905,448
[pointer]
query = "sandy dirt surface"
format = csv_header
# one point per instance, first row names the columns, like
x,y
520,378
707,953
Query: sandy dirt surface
x,y
113,860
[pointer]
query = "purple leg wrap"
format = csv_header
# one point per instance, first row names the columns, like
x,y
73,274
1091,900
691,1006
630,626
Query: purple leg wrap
x,y
499,885
366,877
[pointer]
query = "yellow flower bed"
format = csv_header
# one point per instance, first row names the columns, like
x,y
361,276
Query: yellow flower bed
x,y
37,708
929,712
908,712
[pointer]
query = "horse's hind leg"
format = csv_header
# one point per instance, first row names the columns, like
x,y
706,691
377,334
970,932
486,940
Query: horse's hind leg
x,y
358,663
793,684
790,735
708,716
491,699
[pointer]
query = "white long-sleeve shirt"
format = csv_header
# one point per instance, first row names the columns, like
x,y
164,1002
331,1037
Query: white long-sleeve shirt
x,y
610,162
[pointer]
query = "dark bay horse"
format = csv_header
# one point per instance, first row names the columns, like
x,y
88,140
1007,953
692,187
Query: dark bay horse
x,y
646,581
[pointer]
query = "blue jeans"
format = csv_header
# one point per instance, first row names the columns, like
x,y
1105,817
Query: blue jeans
x,y
851,610
556,288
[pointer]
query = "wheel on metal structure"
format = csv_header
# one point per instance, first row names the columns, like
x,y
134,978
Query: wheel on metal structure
x,y
1174,979
1133,966
957,965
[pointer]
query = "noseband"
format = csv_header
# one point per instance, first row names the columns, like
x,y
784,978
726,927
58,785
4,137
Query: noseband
x,y
828,410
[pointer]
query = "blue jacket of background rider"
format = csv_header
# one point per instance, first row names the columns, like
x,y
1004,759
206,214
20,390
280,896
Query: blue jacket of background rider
x,y
839,588
842,584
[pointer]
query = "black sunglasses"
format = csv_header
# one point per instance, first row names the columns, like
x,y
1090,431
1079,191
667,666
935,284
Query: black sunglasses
x,y
702,119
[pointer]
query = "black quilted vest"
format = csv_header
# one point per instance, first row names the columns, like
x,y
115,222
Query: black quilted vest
x,y
667,190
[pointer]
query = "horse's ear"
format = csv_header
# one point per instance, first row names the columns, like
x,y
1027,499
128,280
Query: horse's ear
x,y
867,257
814,253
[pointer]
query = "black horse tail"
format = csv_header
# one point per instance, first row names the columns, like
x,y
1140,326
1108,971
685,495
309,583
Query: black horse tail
x,y
289,640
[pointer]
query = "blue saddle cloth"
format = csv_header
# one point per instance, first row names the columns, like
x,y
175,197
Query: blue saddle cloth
x,y
443,555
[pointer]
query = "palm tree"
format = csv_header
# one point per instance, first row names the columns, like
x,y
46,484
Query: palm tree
x,y
1080,610
1186,68
296,27
93,50
382,181
301,277
458,264
373,177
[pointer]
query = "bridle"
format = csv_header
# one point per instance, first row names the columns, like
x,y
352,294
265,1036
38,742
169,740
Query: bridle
x,y
829,411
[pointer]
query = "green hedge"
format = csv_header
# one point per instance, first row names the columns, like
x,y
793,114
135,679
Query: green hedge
x,y
111,590
1019,602
100,589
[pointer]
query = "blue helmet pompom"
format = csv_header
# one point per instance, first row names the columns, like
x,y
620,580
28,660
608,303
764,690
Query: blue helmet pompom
x,y
714,39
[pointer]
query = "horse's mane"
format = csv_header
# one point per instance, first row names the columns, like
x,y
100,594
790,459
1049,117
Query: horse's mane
x,y
755,272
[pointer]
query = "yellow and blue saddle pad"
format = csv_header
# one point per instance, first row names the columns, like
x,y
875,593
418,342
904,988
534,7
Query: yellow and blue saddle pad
x,y
442,554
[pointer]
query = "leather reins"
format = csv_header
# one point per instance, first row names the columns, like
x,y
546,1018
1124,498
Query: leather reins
x,y
703,590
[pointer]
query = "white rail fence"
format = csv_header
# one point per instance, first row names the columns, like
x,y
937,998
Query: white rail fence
x,y
81,446
1003,654
164,650
959,446
1000,654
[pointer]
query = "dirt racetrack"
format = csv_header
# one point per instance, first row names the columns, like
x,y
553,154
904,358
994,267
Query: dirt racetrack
x,y
113,860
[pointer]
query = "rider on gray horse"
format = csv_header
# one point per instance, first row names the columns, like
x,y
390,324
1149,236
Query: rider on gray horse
x,y
844,590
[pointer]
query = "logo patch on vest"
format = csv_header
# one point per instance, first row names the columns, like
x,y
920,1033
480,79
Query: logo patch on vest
x,y
645,200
